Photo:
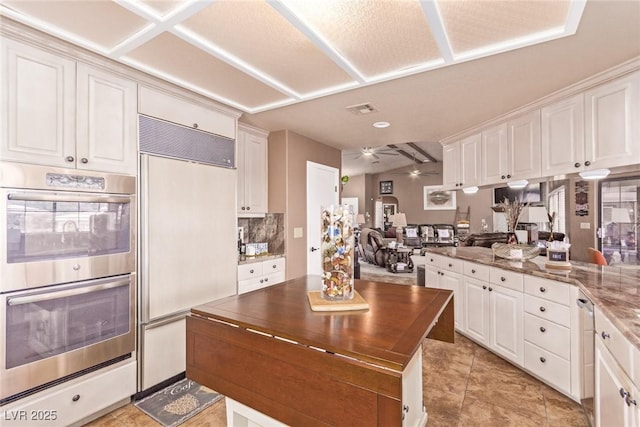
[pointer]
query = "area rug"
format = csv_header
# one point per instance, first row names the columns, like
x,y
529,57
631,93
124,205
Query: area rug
x,y
178,402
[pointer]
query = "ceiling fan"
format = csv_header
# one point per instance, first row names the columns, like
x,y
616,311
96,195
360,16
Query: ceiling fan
x,y
417,171
373,153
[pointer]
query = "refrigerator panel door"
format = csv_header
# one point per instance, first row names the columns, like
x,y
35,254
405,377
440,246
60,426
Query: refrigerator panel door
x,y
189,252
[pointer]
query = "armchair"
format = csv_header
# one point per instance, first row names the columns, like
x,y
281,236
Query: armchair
x,y
372,246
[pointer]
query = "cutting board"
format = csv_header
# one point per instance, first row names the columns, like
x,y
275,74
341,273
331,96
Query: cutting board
x,y
318,303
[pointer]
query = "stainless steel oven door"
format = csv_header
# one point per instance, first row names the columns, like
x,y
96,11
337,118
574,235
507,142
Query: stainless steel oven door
x,y
62,236
55,331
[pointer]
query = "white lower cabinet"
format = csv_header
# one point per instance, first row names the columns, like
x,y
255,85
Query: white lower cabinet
x,y
505,310
446,273
173,361
74,401
260,274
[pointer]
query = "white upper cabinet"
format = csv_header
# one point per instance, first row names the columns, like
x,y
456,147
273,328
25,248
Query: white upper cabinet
x,y
562,139
106,121
612,122
192,114
37,106
461,163
252,171
55,115
511,150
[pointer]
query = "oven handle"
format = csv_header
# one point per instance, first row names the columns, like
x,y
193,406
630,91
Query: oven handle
x,y
28,299
52,197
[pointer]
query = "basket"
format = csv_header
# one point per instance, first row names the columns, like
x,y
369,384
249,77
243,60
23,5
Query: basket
x,y
515,251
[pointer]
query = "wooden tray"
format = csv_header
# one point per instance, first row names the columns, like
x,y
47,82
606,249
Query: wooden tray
x,y
318,303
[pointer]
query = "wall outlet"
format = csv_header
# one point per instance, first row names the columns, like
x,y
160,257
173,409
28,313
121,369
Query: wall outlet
x,y
585,225
297,232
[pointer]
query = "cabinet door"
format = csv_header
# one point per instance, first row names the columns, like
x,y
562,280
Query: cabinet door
x,y
470,151
451,166
524,146
506,312
612,123
106,119
255,173
476,318
495,156
454,282
610,406
562,136
431,278
37,106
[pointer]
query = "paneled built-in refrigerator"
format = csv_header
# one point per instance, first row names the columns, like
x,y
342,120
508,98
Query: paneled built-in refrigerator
x,y
187,255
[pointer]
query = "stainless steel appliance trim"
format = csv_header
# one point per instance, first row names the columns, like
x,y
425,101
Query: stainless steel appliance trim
x,y
62,294
144,240
40,196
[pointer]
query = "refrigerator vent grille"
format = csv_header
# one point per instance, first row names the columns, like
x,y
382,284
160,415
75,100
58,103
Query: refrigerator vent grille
x,y
172,140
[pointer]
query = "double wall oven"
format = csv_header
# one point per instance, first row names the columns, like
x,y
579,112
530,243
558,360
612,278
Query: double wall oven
x,y
67,274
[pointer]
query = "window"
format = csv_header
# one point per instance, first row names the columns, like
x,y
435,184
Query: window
x,y
620,220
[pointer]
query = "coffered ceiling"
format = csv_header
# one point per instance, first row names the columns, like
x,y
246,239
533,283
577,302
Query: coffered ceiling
x,y
425,66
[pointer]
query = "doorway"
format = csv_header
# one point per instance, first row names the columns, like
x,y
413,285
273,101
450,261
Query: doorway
x,y
618,230
322,190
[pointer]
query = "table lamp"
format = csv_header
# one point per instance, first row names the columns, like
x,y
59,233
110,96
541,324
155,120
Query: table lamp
x,y
360,219
399,221
536,215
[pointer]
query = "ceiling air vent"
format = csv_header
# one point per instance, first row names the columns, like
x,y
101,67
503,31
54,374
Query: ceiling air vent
x,y
361,109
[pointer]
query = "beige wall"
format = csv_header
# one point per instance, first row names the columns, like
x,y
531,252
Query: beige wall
x,y
288,156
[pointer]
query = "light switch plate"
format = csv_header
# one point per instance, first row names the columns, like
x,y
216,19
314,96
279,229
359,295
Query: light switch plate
x,y
297,232
585,225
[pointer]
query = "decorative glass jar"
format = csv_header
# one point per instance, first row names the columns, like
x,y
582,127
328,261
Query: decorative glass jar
x,y
337,246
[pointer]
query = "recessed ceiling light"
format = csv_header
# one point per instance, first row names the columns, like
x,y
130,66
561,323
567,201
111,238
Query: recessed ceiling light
x,y
381,125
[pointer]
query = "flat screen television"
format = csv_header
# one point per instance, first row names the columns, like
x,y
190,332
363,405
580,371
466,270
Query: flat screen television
x,y
531,193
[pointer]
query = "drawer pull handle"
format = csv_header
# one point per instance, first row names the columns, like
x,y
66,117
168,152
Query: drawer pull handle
x,y
473,271
76,398
542,289
450,265
543,360
251,271
543,309
503,278
605,335
543,329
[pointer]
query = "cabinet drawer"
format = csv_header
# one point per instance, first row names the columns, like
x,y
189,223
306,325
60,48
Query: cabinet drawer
x,y
249,285
548,335
548,289
92,393
273,266
452,264
551,368
615,342
432,260
548,310
273,279
507,279
248,271
479,271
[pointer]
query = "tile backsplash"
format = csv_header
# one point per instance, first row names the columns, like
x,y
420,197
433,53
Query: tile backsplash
x,y
269,230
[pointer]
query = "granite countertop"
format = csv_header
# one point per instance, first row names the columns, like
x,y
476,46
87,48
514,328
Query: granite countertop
x,y
614,289
258,258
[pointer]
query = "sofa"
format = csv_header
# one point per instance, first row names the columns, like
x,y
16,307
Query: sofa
x,y
488,239
372,247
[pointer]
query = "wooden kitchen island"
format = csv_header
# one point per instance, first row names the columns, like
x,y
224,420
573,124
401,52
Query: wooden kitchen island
x,y
270,352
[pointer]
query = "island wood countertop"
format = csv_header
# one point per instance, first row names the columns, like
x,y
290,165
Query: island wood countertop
x,y
387,334
614,289
269,351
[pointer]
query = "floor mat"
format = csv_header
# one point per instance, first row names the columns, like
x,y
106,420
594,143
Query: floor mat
x,y
178,402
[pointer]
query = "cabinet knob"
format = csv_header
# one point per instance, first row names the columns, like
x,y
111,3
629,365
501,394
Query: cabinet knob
x,y
461,184
195,126
587,163
503,177
542,329
431,260
84,160
605,335
76,267
243,208
484,286
266,279
274,266
473,271
542,289
576,164
542,359
450,265
490,288
508,175
543,309
70,159
251,271
261,281
502,279
76,398
248,208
